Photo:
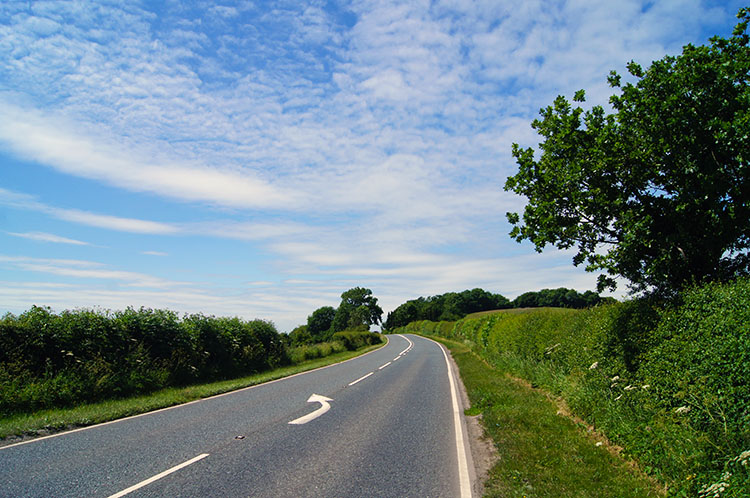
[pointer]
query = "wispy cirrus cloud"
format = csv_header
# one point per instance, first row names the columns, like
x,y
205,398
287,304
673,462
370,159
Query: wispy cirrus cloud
x,y
44,139
79,269
48,237
28,202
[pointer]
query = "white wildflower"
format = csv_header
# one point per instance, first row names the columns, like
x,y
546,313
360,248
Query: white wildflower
x,y
743,458
716,489
599,443
682,409
594,365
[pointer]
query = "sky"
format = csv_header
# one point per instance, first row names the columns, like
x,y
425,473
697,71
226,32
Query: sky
x,y
257,159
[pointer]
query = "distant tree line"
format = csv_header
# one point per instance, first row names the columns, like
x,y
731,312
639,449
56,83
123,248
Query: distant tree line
x,y
558,298
456,305
357,311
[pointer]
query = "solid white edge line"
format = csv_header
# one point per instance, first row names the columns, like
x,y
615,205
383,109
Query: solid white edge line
x,y
387,340
463,463
158,476
382,367
361,378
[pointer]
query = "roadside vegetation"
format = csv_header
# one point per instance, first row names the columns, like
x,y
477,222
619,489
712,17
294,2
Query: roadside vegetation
x,y
357,311
41,422
542,451
50,361
665,380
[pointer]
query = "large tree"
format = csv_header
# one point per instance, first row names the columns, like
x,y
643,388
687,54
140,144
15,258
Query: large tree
x,y
657,191
358,309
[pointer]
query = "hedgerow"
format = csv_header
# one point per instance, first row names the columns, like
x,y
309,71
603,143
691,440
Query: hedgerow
x,y
669,383
56,360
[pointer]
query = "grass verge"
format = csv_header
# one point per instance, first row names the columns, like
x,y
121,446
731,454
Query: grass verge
x,y
542,451
23,426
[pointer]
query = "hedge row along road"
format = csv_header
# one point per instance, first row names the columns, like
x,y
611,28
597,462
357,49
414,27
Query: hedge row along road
x,y
383,424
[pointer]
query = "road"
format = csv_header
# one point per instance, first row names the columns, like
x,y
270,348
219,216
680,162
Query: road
x,y
389,430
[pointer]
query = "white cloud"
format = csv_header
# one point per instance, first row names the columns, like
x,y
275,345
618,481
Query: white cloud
x,y
48,237
25,201
78,269
49,141
154,253
113,222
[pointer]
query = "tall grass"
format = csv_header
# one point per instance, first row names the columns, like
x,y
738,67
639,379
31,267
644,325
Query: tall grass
x,y
671,384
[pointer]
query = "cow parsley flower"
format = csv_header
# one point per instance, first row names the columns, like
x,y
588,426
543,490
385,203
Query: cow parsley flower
x,y
743,458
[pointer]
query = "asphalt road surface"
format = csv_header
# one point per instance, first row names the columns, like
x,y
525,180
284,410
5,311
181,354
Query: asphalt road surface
x,y
384,424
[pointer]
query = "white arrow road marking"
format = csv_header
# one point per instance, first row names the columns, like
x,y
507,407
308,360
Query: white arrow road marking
x,y
324,407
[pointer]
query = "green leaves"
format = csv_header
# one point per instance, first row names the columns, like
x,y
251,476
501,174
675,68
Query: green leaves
x,y
358,309
658,191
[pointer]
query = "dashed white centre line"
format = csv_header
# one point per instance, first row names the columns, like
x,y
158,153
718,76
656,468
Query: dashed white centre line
x,y
382,367
361,378
158,476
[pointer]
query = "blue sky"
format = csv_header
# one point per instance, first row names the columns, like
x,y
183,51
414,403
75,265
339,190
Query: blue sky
x,y
259,158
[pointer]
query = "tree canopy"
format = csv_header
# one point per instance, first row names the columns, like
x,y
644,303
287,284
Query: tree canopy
x,y
656,191
448,306
358,310
456,305
319,323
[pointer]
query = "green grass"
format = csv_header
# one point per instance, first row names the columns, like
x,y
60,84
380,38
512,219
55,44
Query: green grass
x,y
509,311
542,453
55,420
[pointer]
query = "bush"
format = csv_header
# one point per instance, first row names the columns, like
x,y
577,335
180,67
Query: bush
x,y
700,370
306,352
353,340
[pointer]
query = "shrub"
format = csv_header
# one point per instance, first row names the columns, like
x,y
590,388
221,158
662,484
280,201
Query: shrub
x,y
311,351
353,340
